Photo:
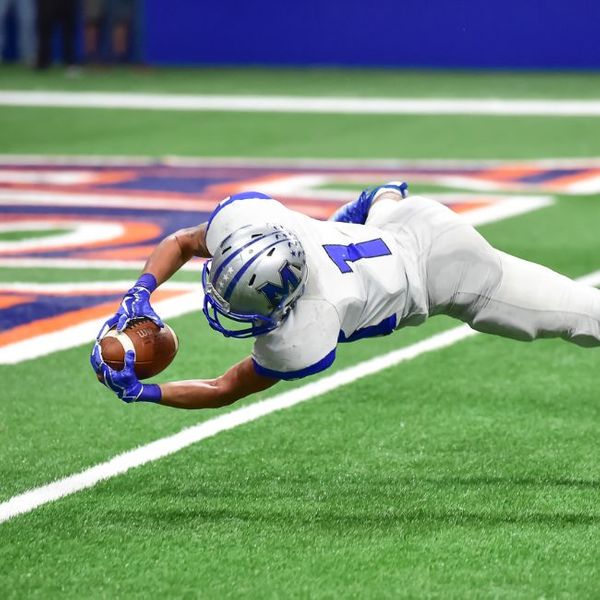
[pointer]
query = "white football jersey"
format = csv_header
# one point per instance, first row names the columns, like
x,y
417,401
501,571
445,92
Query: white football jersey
x,y
363,281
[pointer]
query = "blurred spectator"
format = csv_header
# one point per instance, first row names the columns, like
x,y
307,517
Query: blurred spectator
x,y
25,20
122,17
110,30
94,24
52,13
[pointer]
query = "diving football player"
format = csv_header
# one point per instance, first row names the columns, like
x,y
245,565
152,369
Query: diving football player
x,y
300,287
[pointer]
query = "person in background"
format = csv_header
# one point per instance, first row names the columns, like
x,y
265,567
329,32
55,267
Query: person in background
x,y
121,15
25,20
110,31
53,13
94,25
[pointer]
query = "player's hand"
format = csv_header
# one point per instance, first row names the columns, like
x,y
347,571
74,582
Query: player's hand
x,y
124,383
358,210
135,305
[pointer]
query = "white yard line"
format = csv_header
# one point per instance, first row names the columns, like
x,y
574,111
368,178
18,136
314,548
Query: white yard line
x,y
505,209
32,499
44,198
345,164
306,104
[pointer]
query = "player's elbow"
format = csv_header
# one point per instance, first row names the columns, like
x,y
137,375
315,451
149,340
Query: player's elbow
x,y
185,242
226,393
191,241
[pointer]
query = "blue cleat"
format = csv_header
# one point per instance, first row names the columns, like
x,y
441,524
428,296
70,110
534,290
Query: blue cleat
x,y
358,210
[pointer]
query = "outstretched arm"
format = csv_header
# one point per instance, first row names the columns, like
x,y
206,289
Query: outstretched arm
x,y
239,381
169,256
175,250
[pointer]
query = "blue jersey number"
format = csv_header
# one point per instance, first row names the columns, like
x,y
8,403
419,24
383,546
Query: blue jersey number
x,y
342,255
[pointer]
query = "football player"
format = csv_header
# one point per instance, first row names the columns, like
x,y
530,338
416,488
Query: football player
x,y
300,287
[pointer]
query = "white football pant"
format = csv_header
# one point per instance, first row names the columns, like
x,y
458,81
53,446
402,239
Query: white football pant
x,y
494,292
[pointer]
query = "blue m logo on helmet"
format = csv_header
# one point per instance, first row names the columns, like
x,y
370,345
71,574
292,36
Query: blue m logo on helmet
x,y
276,293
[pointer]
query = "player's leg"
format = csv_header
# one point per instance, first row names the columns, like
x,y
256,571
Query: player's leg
x,y
533,302
494,292
505,295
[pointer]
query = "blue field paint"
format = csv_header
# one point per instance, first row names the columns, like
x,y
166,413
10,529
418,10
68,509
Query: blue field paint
x,y
49,305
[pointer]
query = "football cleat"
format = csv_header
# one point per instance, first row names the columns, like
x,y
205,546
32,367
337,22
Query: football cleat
x,y
254,279
357,211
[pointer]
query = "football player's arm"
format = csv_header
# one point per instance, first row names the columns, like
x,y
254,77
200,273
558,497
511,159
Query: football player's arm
x,y
239,381
175,250
169,256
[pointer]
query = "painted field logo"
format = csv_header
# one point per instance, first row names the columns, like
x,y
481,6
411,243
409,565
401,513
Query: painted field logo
x,y
109,213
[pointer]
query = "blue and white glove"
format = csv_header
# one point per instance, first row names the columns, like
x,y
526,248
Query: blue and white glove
x,y
124,383
135,305
357,211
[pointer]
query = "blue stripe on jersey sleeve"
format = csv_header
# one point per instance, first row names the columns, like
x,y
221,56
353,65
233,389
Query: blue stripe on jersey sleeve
x,y
241,196
385,327
319,366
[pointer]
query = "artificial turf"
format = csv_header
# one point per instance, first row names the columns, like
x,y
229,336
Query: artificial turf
x,y
103,131
313,81
469,472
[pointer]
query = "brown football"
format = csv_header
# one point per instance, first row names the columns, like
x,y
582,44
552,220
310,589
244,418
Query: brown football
x,y
154,347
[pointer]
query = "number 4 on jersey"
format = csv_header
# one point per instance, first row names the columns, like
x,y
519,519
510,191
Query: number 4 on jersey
x,y
342,255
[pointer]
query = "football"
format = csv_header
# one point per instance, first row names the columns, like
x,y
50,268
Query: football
x,y
155,347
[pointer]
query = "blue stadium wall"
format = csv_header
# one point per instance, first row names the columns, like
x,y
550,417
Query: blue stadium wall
x,y
525,34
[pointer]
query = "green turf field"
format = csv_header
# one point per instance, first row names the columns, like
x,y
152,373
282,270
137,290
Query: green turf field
x,y
468,472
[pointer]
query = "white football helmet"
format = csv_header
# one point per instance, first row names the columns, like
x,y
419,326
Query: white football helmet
x,y
255,277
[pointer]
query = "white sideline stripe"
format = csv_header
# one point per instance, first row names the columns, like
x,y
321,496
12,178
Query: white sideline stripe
x,y
42,198
305,104
142,455
497,211
349,164
32,499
